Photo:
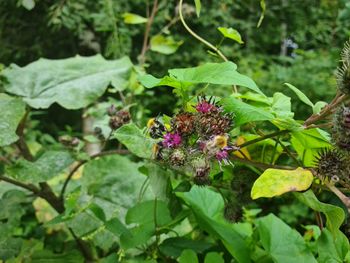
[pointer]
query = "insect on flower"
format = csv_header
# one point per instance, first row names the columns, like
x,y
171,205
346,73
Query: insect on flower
x,y
155,128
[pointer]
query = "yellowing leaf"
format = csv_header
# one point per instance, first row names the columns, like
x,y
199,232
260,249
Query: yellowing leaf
x,y
240,140
274,182
130,18
231,33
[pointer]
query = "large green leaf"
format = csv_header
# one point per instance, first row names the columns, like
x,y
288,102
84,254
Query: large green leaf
x,y
274,182
188,256
213,73
173,247
213,257
281,242
135,140
73,82
50,164
208,206
12,110
334,215
332,248
244,112
115,179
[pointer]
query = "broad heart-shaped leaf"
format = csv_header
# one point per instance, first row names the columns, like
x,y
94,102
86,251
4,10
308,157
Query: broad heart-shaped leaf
x,y
274,182
281,242
135,140
334,214
244,112
164,44
50,164
231,33
73,82
12,110
213,73
332,248
208,206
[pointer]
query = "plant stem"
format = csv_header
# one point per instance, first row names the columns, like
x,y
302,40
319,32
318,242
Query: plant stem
x,y
211,46
29,187
145,45
264,137
21,143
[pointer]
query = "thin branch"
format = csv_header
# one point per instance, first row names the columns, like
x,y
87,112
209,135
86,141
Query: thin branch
x,y
29,187
211,46
264,137
21,143
145,45
81,163
262,165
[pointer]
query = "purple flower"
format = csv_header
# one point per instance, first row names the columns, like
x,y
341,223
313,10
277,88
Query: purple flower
x,y
205,107
171,140
223,157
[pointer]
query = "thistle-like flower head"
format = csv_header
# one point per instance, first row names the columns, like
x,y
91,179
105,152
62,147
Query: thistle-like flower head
x,y
171,140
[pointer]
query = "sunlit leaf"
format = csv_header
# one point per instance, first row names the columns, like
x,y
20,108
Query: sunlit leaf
x,y
231,33
274,182
198,5
130,18
300,95
165,45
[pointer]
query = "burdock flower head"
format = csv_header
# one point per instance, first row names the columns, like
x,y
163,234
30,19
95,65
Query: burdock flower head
x,y
341,128
171,140
205,106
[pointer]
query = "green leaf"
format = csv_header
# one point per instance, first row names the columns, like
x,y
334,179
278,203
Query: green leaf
x,y
244,112
198,5
173,247
332,248
300,95
281,242
73,83
231,33
119,180
130,18
274,182
208,207
213,257
164,45
150,81
10,247
135,140
149,212
28,4
307,144
334,215
318,106
214,73
188,256
47,256
50,164
12,110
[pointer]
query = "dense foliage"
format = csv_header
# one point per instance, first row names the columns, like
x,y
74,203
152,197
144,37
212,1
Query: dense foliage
x,y
162,131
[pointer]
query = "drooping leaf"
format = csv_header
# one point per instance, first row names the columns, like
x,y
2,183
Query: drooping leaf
x,y
50,164
164,45
207,206
73,82
130,18
135,140
244,112
274,182
12,110
334,215
231,33
281,242
198,5
318,106
300,95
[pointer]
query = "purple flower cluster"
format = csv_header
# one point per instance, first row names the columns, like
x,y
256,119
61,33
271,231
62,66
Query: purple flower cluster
x,y
205,107
171,140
